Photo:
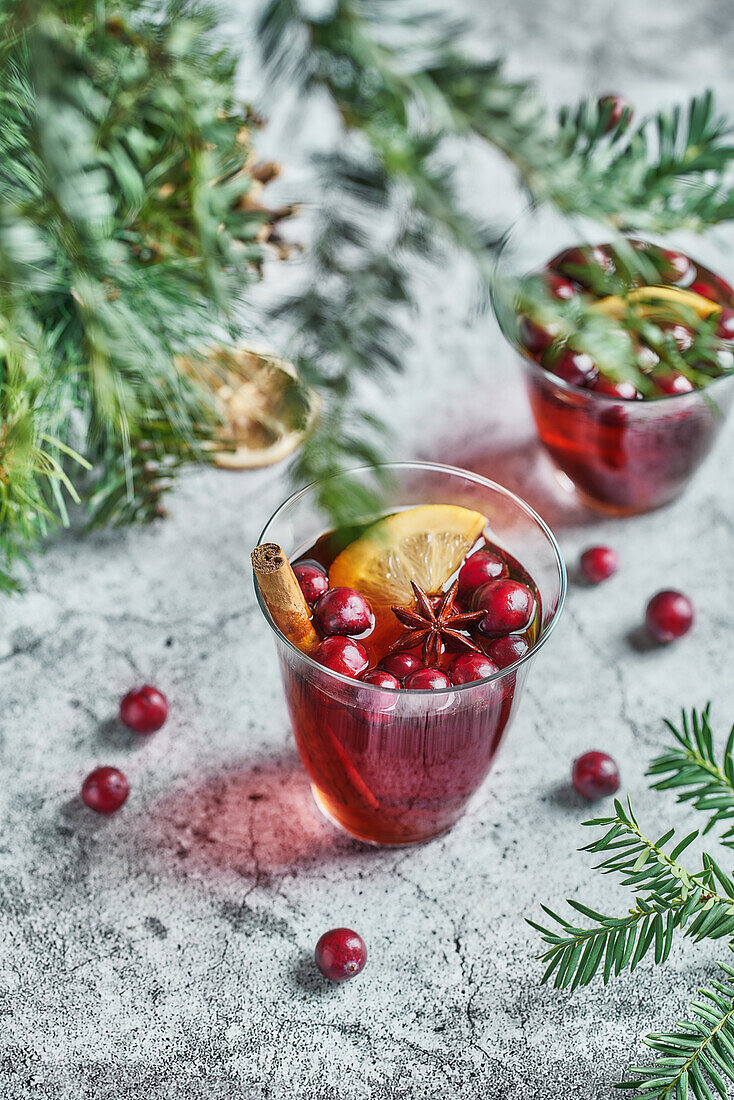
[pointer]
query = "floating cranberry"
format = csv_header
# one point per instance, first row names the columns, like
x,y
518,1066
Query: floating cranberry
x,y
427,679
725,324
342,655
144,710
509,607
677,266
104,790
505,651
669,615
401,664
671,383
682,336
340,954
312,578
537,338
584,265
559,287
375,701
471,666
343,611
647,358
481,567
619,109
575,367
626,391
595,775
717,290
380,677
598,563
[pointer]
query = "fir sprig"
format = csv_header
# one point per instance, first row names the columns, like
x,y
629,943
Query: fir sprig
x,y
695,1059
692,770
403,86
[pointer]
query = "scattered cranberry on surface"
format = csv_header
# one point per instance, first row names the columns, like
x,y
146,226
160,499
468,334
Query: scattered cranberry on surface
x,y
595,775
471,666
669,615
104,790
617,105
509,607
481,567
598,563
312,579
343,611
626,391
144,710
682,336
342,655
505,651
575,367
377,703
672,383
380,677
401,664
340,954
427,679
725,324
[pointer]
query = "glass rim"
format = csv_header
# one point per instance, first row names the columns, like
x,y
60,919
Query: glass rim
x,y
446,469
507,237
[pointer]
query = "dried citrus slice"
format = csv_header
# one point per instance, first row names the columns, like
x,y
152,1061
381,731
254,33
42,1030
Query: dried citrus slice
x,y
425,544
657,301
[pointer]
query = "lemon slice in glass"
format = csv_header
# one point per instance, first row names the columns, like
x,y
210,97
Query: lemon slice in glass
x,y
425,544
658,301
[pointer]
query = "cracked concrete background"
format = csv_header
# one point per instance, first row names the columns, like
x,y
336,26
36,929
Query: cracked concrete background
x,y
166,952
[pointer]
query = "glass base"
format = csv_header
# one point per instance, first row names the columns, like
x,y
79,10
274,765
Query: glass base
x,y
318,799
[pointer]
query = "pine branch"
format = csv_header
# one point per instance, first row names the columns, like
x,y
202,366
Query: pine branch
x,y
695,1059
668,897
692,770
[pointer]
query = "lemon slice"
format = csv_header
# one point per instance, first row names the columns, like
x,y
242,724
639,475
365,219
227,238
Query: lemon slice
x,y
425,545
657,301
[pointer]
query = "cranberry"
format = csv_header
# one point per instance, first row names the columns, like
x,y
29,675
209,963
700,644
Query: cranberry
x,y
716,291
672,382
509,607
427,679
559,287
595,775
598,563
471,666
401,664
682,336
104,790
144,710
342,655
537,338
312,578
579,264
619,109
669,615
377,702
340,954
627,391
677,266
725,324
575,367
505,651
481,567
647,358
343,611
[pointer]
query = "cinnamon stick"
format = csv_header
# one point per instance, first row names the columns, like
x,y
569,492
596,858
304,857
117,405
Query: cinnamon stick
x,y
283,596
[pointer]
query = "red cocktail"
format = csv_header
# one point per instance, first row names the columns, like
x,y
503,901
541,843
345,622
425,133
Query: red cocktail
x,y
398,714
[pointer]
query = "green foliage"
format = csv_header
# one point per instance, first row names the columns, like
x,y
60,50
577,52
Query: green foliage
x,y
126,234
691,769
668,898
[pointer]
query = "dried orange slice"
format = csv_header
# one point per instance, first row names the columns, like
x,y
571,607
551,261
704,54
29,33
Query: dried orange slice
x,y
425,544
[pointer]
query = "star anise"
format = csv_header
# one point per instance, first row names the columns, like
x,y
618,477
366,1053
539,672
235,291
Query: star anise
x,y
434,625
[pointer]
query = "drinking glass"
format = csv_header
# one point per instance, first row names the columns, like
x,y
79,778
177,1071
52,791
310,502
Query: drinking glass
x,y
391,766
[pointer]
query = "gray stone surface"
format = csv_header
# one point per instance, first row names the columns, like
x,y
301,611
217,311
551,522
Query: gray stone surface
x,y
165,952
